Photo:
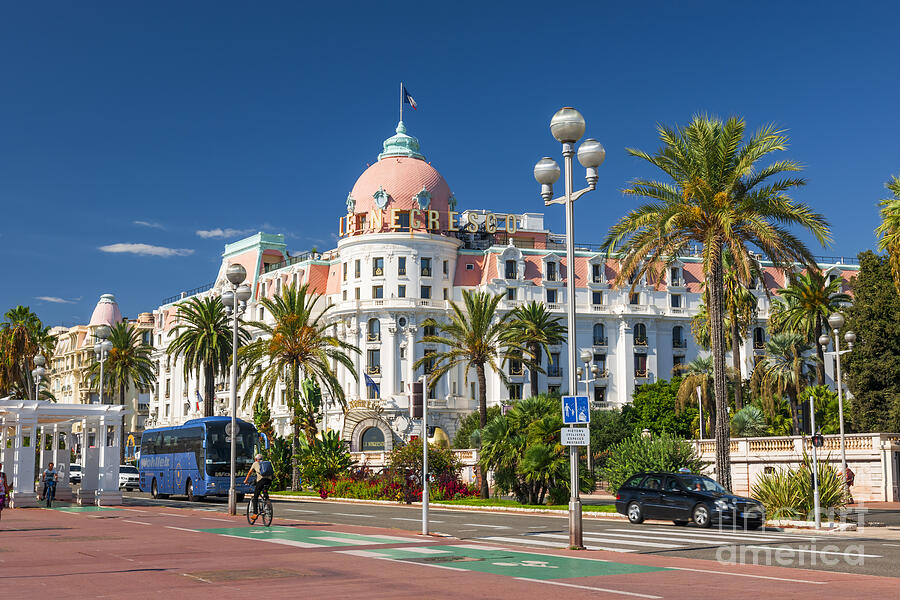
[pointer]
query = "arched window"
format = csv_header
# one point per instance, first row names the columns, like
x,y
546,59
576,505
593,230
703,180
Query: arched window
x,y
678,340
640,334
372,440
599,335
759,338
374,330
429,330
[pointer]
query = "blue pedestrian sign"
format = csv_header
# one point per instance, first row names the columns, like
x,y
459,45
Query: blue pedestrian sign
x,y
575,410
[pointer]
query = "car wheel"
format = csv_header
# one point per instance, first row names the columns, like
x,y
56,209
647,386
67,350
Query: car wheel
x,y
189,490
680,522
154,491
701,516
635,514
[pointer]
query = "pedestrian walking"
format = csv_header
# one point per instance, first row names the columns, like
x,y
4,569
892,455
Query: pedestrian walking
x,y
4,491
49,477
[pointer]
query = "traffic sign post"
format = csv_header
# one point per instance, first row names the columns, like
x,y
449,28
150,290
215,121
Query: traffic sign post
x,y
574,436
576,410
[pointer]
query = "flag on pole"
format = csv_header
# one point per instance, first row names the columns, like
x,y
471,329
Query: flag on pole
x,y
199,400
371,383
407,99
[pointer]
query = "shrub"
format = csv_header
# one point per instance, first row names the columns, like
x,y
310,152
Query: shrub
x,y
326,459
279,454
749,422
788,493
654,409
469,425
663,452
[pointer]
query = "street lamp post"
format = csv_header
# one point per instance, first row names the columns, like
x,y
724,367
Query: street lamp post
x,y
234,301
587,357
567,126
101,351
836,321
37,373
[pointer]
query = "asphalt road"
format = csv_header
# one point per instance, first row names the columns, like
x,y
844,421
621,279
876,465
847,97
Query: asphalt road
x,y
874,551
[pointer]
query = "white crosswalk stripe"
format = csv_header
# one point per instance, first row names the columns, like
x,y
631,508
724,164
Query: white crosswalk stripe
x,y
648,539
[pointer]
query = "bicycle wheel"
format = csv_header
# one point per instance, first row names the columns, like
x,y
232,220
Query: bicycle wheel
x,y
267,513
251,518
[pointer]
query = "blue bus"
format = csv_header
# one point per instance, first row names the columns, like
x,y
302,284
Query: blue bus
x,y
194,459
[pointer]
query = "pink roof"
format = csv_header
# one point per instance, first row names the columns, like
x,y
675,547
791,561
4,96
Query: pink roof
x,y
333,285
402,178
317,278
106,312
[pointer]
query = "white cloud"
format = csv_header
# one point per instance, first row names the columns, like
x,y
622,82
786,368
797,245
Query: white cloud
x,y
151,224
218,232
54,299
145,250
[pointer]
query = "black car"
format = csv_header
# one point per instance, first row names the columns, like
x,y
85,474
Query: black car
x,y
684,497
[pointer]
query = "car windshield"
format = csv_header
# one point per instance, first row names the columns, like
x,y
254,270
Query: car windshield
x,y
74,468
132,470
701,484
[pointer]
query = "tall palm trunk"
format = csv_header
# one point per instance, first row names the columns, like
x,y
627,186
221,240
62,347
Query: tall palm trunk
x,y
717,338
736,364
482,410
210,390
295,423
797,391
795,412
535,350
820,352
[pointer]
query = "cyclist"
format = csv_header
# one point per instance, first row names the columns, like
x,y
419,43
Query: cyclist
x,y
49,477
263,471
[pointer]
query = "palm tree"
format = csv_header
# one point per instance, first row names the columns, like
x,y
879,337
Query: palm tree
x,y
127,365
22,336
719,197
784,371
803,307
740,313
749,422
536,328
476,338
889,231
203,339
697,373
298,340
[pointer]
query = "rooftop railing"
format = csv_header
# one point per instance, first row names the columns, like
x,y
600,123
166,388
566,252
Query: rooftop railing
x,y
188,293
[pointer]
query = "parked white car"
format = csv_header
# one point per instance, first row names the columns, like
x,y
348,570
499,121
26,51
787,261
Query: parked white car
x,y
129,477
74,473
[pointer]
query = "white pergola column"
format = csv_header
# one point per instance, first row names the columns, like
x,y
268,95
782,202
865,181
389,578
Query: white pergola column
x,y
46,455
23,494
62,439
87,493
6,454
109,436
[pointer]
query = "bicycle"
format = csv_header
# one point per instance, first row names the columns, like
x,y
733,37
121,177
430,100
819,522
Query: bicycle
x,y
49,492
266,505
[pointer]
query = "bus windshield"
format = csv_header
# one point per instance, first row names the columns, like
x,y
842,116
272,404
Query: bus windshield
x,y
218,450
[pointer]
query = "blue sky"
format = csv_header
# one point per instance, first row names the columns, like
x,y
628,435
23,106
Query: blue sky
x,y
145,123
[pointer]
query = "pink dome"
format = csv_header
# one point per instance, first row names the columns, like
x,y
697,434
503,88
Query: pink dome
x,y
401,178
106,312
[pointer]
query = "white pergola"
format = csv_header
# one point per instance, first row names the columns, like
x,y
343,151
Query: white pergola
x,y
28,427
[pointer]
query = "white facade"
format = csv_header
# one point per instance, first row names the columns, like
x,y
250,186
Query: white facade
x,y
404,254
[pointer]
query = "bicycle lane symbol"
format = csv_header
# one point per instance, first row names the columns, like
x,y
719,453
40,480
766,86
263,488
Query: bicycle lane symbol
x,y
527,563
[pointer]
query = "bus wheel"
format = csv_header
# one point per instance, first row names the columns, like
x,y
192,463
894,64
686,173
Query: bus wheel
x,y
154,491
189,491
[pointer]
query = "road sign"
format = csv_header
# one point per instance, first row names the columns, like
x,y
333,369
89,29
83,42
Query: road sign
x,y
228,428
227,439
575,410
574,436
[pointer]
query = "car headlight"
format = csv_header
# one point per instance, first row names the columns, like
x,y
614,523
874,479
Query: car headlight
x,y
722,504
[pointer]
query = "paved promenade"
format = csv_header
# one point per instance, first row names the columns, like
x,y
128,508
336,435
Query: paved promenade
x,y
172,552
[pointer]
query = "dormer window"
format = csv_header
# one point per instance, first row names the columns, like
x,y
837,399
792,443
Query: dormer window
x,y
511,269
675,276
552,272
597,273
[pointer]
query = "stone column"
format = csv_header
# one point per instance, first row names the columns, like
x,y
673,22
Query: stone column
x,y
110,428
623,372
62,434
389,362
23,494
90,456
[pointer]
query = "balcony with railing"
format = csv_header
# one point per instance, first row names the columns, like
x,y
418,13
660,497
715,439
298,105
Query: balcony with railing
x,y
373,369
679,343
640,341
600,341
554,371
371,337
188,293
641,373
